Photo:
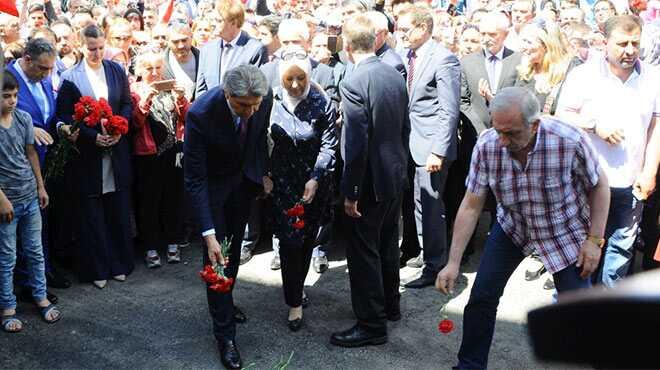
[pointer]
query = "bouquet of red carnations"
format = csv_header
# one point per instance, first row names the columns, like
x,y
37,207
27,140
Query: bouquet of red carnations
x,y
296,212
215,275
89,112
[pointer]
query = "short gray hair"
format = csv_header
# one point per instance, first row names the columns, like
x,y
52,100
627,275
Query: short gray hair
x,y
39,46
245,80
518,98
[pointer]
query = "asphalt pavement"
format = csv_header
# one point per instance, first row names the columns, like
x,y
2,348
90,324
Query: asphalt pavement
x,y
158,319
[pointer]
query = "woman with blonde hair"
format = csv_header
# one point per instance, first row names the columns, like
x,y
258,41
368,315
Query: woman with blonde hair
x,y
159,109
545,62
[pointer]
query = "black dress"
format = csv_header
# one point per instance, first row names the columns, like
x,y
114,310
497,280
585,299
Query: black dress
x,y
304,143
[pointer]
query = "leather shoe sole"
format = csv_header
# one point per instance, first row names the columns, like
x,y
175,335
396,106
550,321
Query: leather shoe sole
x,y
373,341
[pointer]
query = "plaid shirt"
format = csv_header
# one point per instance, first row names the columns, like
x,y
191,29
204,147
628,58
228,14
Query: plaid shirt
x,y
543,207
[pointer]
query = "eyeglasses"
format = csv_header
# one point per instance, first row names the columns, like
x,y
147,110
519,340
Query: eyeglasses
x,y
296,54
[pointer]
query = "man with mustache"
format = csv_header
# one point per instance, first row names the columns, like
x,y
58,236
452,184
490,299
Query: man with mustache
x,y
552,199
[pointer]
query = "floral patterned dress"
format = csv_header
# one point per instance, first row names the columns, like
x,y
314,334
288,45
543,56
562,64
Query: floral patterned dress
x,y
304,145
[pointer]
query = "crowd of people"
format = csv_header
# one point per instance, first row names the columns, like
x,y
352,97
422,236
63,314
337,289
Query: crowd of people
x,y
394,124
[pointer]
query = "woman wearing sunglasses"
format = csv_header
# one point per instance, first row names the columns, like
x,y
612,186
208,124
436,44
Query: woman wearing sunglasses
x,y
302,143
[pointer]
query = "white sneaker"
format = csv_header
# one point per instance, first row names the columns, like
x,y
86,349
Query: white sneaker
x,y
173,254
152,259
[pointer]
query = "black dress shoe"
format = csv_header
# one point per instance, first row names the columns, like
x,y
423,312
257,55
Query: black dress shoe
x,y
57,280
239,316
295,325
26,296
229,354
421,282
394,316
357,337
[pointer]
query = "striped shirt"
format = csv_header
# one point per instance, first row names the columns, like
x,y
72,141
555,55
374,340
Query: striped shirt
x,y
542,207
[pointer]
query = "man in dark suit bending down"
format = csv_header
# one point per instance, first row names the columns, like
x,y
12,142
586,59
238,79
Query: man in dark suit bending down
x,y
224,166
375,151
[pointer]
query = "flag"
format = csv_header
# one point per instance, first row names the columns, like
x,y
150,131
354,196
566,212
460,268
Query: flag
x,y
166,14
9,7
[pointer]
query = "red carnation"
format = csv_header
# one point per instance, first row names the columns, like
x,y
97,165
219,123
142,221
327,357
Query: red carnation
x,y
299,224
116,125
104,107
446,326
296,211
93,118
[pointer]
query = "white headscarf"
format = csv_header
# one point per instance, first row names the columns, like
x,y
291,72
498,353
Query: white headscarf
x,y
305,65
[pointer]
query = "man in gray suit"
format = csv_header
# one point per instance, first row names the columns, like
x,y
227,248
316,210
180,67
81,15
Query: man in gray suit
x,y
485,72
233,48
434,88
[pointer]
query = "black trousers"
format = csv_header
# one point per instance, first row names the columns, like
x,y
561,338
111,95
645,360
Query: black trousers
x,y
373,261
295,261
159,198
230,214
409,243
651,229
106,247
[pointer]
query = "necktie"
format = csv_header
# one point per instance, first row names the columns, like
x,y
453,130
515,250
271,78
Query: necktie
x,y
224,58
492,71
39,98
242,130
412,56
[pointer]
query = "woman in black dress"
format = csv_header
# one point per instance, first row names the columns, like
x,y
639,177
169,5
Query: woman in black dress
x,y
302,142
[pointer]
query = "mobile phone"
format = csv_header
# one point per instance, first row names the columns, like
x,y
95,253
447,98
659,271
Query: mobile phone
x,y
334,43
164,85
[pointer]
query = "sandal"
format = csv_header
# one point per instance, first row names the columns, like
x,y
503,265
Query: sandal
x,y
45,313
7,320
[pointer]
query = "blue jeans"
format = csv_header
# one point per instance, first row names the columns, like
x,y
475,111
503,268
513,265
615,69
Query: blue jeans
x,y
501,257
26,225
621,231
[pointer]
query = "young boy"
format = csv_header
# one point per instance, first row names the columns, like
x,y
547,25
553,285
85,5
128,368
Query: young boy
x,y
22,193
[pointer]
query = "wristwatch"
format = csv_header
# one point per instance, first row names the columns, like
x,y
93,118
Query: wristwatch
x,y
600,242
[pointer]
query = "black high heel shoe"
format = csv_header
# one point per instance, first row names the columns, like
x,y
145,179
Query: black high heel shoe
x,y
295,325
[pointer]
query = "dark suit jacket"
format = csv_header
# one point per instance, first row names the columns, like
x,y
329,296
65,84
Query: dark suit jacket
x,y
214,161
434,104
208,73
321,74
376,131
388,56
473,68
75,85
169,74
27,103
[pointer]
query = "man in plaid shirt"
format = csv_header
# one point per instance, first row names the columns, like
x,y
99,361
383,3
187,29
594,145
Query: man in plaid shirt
x,y
552,199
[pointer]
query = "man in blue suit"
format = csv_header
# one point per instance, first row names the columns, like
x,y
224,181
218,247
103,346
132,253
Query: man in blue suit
x,y
225,155
434,82
233,48
35,96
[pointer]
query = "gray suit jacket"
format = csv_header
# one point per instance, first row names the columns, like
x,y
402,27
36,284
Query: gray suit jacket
x,y
434,103
473,68
208,70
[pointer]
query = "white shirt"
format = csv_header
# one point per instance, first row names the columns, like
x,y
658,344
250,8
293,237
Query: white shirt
x,y
228,53
37,91
595,93
99,84
496,66
96,78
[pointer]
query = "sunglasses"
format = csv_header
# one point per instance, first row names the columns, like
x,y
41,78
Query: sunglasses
x,y
297,54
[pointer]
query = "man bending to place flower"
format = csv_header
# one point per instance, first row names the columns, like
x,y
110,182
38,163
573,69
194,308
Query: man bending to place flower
x,y
552,199
224,167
